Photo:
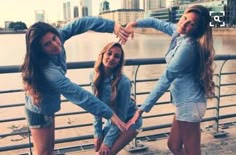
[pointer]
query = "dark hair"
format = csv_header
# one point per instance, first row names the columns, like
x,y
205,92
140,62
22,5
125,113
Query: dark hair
x,y
35,59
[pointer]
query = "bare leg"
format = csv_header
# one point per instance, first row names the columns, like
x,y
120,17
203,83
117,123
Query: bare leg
x,y
191,136
185,134
43,140
123,140
175,142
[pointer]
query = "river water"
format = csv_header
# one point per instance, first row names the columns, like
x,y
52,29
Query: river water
x,y
86,46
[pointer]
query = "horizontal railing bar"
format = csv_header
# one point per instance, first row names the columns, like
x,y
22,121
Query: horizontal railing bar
x,y
228,73
12,105
228,84
128,62
227,95
229,105
11,91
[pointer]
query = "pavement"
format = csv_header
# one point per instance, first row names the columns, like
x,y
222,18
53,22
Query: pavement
x,y
223,145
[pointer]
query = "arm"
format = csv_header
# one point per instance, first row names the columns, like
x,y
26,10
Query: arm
x,y
96,24
75,93
79,96
183,58
157,24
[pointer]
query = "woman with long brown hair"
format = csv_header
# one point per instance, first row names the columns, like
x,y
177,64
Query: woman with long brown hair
x,y
44,78
189,75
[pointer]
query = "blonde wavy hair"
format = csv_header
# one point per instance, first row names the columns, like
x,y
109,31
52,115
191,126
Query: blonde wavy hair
x,y
206,49
99,72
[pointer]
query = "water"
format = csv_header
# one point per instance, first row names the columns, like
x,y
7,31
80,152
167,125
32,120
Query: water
x,y
86,47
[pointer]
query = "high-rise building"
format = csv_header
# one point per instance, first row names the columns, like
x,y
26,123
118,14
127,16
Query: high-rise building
x,y
76,11
154,4
40,15
67,10
130,4
85,5
104,6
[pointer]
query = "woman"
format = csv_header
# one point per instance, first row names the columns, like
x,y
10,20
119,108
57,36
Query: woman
x,y
112,87
189,74
43,73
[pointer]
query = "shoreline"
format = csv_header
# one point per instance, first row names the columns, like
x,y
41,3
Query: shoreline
x,y
216,31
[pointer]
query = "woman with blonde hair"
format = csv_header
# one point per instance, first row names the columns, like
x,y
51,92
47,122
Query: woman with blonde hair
x,y
112,87
189,75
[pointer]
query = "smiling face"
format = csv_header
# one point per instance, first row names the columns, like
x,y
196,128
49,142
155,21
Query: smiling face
x,y
50,43
111,58
188,23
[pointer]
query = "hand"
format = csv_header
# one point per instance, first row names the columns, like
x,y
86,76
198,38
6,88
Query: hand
x,y
130,28
97,143
121,125
132,121
104,150
121,33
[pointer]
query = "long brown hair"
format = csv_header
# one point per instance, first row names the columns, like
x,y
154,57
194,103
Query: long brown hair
x,y
99,72
35,59
206,49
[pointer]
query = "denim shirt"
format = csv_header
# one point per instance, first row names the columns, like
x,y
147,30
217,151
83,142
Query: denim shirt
x,y
56,83
124,109
180,74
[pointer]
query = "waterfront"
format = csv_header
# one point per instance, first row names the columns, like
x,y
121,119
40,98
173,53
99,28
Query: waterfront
x,y
85,48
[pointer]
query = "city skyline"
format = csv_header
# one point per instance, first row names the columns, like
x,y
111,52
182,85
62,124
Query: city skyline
x,y
24,10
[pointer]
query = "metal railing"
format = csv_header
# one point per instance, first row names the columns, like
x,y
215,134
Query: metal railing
x,y
215,122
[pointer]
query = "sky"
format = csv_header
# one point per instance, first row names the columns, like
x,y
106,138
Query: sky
x,y
23,10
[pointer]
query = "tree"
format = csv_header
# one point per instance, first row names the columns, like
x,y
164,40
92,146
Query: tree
x,y
17,26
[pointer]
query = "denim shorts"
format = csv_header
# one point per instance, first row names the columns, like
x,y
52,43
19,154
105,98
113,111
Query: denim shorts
x,y
190,112
36,120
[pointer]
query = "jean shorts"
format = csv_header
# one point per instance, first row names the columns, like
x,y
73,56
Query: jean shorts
x,y
36,120
190,112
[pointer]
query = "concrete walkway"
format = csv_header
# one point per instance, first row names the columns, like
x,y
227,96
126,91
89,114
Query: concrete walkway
x,y
210,146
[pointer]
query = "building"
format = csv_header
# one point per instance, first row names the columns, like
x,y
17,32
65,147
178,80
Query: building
x,y
40,15
231,12
130,4
123,16
76,12
67,11
85,8
104,6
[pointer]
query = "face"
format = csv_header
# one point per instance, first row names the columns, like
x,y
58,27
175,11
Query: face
x,y
188,23
111,58
51,43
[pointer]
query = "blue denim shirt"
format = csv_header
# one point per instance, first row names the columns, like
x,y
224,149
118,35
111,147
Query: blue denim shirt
x,y
124,109
180,74
56,83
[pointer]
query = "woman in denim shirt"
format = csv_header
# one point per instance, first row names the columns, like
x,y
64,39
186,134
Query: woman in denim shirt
x,y
43,73
112,87
189,75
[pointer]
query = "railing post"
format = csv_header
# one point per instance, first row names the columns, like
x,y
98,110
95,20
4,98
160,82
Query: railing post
x,y
217,132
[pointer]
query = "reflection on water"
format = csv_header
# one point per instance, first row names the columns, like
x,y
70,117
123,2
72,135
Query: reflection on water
x,y
86,46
